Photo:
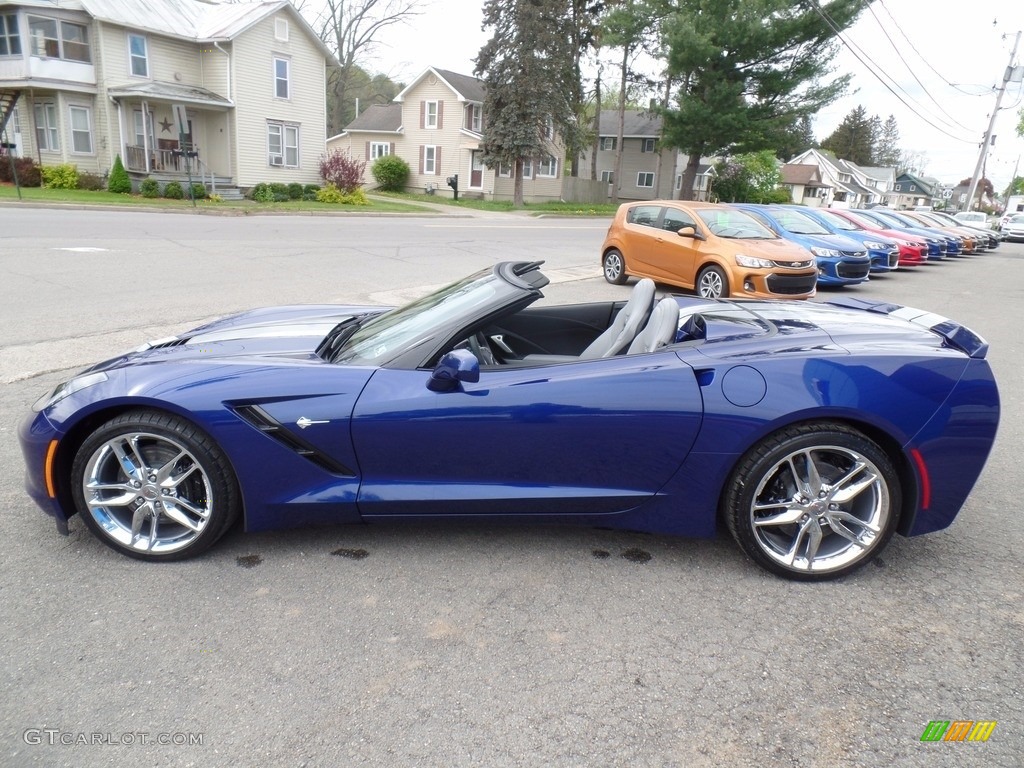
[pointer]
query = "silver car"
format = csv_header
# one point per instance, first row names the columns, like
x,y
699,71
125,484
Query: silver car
x,y
1014,228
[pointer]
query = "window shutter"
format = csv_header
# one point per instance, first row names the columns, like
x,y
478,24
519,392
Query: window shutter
x,y
423,117
367,150
422,152
392,150
437,156
440,115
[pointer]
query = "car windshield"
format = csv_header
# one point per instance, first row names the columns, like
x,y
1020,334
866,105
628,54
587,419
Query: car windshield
x,y
798,223
839,222
1018,219
416,322
734,225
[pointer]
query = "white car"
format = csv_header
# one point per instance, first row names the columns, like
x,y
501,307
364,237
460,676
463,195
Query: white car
x,y
975,219
1014,228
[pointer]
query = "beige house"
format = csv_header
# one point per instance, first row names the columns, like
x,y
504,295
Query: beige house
x,y
84,80
804,183
642,176
436,124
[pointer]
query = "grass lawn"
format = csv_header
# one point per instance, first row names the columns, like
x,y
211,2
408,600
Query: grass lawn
x,y
534,209
86,197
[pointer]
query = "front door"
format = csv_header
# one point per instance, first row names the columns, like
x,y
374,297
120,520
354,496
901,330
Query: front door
x,y
476,171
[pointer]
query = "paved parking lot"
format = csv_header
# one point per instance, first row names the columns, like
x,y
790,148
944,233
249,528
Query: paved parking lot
x,y
423,645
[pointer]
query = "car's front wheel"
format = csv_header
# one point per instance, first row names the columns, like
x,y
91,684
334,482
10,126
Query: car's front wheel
x,y
154,487
712,283
813,502
614,266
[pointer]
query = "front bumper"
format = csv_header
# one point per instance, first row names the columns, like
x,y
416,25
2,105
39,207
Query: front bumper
x,y
35,434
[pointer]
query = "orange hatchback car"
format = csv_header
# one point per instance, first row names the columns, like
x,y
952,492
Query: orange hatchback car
x,y
716,250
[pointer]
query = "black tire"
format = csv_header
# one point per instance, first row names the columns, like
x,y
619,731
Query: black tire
x,y
179,497
614,266
712,283
848,491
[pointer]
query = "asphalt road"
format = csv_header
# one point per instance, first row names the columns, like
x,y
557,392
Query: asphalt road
x,y
429,646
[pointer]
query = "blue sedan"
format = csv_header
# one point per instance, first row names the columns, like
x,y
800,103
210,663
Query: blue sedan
x,y
812,432
883,251
841,261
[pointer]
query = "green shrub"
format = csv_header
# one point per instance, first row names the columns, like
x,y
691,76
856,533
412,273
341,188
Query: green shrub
x,y
310,196
311,189
149,188
262,193
173,191
198,191
63,176
29,174
295,191
279,188
91,182
119,181
281,197
391,173
334,196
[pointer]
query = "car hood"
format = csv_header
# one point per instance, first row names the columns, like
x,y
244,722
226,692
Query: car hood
x,y
291,332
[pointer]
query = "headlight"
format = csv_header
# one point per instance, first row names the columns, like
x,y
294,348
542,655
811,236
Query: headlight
x,y
753,263
829,253
875,246
67,388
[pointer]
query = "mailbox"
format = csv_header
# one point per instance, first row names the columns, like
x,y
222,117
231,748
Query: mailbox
x,y
453,182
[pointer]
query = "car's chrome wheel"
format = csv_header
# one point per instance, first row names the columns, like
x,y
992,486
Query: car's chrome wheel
x,y
154,487
712,283
614,267
814,502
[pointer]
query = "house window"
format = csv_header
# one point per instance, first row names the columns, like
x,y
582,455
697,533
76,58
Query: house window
x,y
607,176
430,160
913,188
46,127
138,55
10,41
547,167
143,129
504,171
679,181
647,145
58,39
281,30
379,149
899,187
430,115
81,130
608,142
476,118
549,128
282,85
283,145
528,168
645,179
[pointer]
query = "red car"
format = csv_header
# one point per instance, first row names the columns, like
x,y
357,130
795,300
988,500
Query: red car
x,y
913,249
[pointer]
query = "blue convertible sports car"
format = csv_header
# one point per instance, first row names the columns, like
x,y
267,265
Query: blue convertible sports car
x,y
813,432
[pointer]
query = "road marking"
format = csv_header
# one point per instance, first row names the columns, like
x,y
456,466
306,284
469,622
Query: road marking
x,y
82,249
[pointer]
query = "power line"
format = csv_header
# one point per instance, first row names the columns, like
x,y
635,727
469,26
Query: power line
x,y
860,56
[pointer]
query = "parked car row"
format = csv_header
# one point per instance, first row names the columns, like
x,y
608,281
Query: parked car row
x,y
776,251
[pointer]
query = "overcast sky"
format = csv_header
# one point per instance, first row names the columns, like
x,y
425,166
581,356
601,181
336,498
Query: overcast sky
x,y
964,49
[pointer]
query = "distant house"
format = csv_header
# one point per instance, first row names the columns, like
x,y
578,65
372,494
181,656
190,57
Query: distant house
x,y
842,191
910,191
804,184
642,177
437,125
84,80
880,181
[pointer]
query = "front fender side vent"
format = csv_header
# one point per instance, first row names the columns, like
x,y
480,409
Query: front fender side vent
x,y
272,428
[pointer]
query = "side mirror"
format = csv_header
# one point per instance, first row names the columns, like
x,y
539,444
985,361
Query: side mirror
x,y
689,231
455,367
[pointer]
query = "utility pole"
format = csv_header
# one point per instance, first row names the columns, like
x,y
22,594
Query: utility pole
x,y
991,125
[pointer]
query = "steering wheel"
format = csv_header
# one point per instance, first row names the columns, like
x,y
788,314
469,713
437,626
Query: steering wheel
x,y
480,347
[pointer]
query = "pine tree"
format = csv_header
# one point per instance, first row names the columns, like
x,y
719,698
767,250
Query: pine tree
x,y
887,151
853,139
119,181
527,67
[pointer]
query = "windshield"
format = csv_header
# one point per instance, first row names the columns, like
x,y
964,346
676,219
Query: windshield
x,y
416,322
734,225
838,221
798,223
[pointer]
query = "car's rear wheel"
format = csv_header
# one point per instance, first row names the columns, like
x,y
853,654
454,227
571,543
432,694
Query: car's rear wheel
x,y
614,266
813,502
712,283
154,487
